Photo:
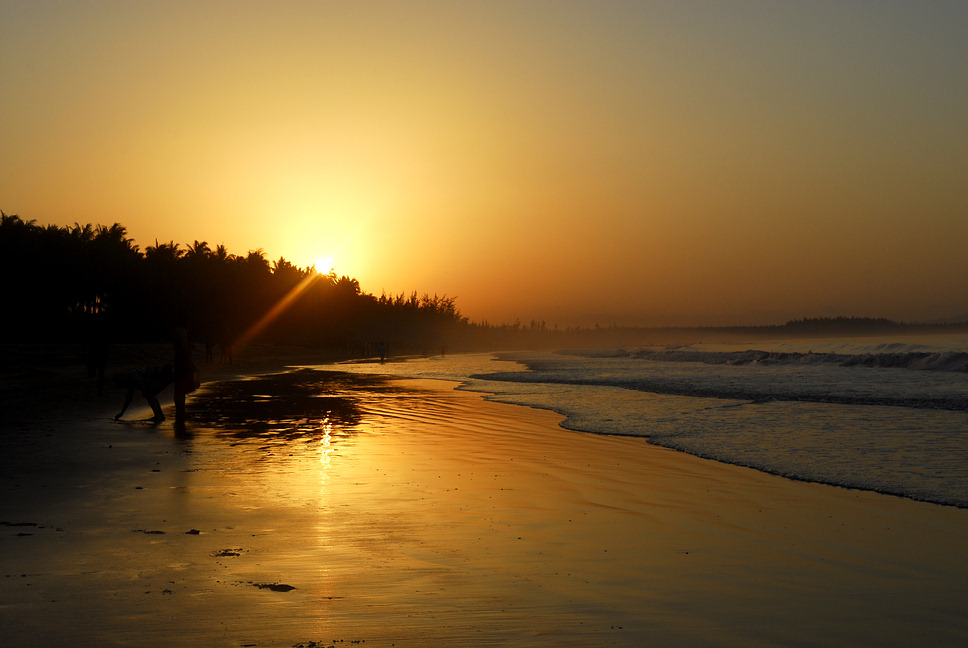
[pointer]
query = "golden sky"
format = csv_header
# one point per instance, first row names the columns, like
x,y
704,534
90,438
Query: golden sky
x,y
575,162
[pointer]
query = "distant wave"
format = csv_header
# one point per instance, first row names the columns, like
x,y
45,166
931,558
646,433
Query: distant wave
x,y
827,382
956,361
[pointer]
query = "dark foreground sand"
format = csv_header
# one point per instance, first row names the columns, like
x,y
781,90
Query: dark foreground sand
x,y
405,513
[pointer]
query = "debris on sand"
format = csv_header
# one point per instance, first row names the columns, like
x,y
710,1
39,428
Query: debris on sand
x,y
275,587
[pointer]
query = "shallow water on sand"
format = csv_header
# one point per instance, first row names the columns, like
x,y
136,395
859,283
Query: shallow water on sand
x,y
808,410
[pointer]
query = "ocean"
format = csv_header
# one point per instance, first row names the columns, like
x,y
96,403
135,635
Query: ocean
x,y
888,414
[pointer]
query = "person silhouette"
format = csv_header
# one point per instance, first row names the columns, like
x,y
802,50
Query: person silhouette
x,y
97,350
184,369
149,381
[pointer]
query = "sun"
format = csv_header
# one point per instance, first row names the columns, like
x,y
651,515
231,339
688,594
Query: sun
x,y
324,264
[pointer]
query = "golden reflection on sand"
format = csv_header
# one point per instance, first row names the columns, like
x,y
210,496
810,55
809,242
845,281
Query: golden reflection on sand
x,y
412,515
325,449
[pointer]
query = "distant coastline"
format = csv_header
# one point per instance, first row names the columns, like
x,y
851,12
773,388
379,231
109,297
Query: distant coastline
x,y
822,327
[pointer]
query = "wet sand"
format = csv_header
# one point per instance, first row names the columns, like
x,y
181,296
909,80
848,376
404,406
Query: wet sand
x,y
405,513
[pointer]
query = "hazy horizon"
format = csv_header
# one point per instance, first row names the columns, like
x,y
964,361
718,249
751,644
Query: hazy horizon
x,y
648,164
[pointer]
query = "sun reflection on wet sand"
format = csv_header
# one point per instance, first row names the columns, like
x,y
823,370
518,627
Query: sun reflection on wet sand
x,y
326,450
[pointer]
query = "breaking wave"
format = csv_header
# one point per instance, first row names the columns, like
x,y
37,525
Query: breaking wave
x,y
956,361
761,376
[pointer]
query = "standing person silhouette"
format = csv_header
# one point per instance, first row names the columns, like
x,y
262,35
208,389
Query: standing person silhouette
x,y
184,368
97,349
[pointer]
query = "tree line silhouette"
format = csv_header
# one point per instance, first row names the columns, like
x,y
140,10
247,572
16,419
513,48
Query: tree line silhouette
x,y
61,283
69,284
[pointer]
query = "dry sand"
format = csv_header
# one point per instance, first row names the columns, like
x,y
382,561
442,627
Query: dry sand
x,y
420,515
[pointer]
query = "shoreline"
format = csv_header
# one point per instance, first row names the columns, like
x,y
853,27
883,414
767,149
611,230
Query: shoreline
x,y
432,515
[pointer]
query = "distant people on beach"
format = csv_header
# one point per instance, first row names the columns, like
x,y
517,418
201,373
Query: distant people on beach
x,y
149,381
383,352
224,353
185,372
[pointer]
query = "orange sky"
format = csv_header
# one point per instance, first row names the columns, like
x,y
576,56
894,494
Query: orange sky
x,y
578,163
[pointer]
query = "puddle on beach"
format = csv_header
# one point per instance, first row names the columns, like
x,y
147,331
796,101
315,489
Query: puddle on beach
x,y
290,406
289,436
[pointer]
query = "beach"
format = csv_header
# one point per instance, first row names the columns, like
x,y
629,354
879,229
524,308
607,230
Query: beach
x,y
391,512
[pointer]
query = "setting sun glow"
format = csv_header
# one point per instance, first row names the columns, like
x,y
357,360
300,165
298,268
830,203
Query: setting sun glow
x,y
710,163
324,264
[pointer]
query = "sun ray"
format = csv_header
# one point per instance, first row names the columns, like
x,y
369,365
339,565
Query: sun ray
x,y
278,308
